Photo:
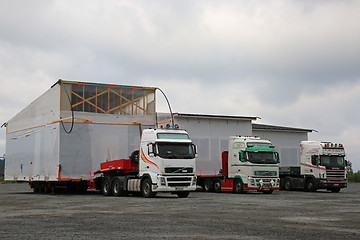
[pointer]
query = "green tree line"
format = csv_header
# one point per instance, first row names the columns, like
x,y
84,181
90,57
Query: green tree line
x,y
351,175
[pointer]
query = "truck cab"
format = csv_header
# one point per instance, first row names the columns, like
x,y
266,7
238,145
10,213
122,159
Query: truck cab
x,y
249,164
255,161
325,163
167,160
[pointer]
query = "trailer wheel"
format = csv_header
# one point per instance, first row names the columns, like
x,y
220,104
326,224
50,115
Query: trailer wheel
x,y
238,186
207,185
217,185
335,190
52,188
117,187
47,187
183,194
146,188
35,187
287,184
310,185
106,186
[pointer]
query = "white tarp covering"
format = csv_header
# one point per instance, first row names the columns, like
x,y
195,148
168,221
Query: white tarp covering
x,y
104,126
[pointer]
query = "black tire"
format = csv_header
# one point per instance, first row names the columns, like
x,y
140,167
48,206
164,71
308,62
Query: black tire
x,y
135,157
36,188
47,187
183,194
217,185
238,186
146,188
310,185
117,187
287,184
268,192
207,185
335,190
106,187
52,188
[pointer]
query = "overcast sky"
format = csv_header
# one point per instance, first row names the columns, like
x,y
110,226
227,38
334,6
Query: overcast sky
x,y
292,63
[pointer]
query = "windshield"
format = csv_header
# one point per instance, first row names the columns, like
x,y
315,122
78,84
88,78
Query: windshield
x,y
262,157
332,161
175,150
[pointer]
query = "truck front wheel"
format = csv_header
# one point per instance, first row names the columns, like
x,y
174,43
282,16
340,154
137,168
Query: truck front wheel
x,y
238,186
106,186
310,185
146,188
335,190
183,194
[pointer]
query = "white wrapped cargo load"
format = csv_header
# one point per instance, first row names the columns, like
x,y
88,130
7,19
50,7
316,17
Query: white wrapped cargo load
x,y
68,131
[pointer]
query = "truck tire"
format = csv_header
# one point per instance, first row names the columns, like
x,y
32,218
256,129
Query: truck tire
x,y
268,192
207,185
135,157
217,185
335,190
183,194
47,188
146,188
106,186
117,187
238,186
310,185
287,184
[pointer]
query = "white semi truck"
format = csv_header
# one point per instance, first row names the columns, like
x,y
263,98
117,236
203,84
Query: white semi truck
x,y
164,163
250,163
321,165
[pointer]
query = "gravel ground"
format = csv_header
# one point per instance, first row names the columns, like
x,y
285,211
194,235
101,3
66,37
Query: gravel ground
x,y
281,215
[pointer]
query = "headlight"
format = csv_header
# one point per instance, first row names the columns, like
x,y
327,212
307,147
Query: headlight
x,y
252,181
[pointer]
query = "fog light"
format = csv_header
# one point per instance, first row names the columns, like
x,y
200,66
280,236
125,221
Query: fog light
x,y
162,181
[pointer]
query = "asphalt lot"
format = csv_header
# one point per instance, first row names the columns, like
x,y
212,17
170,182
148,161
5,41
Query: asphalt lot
x,y
281,215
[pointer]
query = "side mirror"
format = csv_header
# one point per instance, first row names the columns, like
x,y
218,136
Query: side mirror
x,y
151,149
242,156
277,157
194,148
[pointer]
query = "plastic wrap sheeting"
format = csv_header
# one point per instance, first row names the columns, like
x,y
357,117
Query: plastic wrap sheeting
x,y
33,154
44,110
82,151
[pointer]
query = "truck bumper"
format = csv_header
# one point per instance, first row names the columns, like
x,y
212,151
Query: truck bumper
x,y
324,184
174,184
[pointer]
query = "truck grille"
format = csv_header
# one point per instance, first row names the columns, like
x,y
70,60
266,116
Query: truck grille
x,y
179,181
179,170
335,176
178,184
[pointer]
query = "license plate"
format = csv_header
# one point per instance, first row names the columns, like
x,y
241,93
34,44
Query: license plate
x,y
179,189
336,184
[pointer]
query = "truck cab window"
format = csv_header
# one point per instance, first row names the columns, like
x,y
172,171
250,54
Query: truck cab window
x,y
175,150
